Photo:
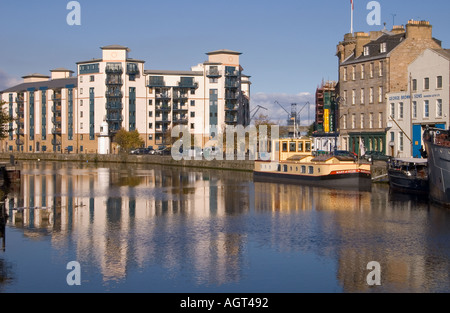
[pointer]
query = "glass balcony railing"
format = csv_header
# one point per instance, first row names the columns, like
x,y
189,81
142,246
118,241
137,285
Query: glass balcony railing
x,y
113,69
113,94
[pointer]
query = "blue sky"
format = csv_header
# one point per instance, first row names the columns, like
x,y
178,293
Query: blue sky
x,y
288,46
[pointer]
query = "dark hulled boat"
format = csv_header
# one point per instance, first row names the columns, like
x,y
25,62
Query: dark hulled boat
x,y
437,145
409,175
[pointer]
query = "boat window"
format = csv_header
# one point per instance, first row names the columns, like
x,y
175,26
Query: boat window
x,y
300,146
307,146
296,169
285,147
311,170
303,169
292,147
279,168
285,168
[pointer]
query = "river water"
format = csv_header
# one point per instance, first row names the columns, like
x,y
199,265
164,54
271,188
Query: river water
x,y
143,228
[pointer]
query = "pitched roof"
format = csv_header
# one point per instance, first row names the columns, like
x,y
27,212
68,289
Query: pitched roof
x,y
223,51
50,84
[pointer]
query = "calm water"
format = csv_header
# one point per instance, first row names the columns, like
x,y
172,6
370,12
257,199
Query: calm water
x,y
155,229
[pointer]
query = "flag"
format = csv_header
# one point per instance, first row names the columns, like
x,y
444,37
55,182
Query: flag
x,y
353,5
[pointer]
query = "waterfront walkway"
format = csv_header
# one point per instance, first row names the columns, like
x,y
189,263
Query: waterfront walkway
x,y
379,169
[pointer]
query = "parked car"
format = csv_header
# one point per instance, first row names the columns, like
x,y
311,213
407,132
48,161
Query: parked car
x,y
163,150
345,153
375,156
142,151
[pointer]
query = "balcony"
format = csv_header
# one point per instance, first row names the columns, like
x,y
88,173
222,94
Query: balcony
x,y
180,96
114,118
161,130
156,81
231,119
188,84
19,132
180,108
56,131
19,142
132,68
56,120
56,109
163,95
114,81
113,69
232,84
19,100
232,108
20,111
114,94
232,96
232,73
56,97
114,105
163,108
162,120
180,120
214,73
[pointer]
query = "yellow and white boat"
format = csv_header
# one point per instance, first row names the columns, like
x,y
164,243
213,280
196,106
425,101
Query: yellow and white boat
x,y
292,161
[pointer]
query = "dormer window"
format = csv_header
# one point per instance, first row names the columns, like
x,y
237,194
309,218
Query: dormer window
x,y
383,48
366,51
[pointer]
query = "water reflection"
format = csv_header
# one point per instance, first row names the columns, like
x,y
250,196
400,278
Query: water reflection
x,y
200,226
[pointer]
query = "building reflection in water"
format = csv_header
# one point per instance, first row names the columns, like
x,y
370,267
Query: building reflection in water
x,y
194,223
132,217
356,228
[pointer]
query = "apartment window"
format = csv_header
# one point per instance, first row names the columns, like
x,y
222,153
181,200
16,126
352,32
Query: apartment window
x,y
354,72
414,109
380,69
371,70
344,121
371,120
400,141
150,125
362,95
439,82
363,70
353,96
91,78
393,110
192,114
150,114
426,109
400,110
439,108
345,96
81,91
383,48
192,103
192,126
414,84
380,120
345,74
81,125
392,137
371,95
426,84
362,120
380,95
150,102
353,121
366,51
81,103
81,113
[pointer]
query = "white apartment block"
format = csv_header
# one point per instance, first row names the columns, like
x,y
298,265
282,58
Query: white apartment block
x,y
430,105
64,113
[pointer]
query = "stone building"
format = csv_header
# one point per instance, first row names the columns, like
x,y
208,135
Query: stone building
x,y
370,66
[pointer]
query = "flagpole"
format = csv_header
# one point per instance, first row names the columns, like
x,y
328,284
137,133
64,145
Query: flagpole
x,y
351,25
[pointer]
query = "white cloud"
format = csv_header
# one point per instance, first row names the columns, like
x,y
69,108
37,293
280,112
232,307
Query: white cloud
x,y
7,81
277,114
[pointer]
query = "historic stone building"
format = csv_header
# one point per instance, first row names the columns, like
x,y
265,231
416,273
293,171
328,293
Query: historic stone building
x,y
370,66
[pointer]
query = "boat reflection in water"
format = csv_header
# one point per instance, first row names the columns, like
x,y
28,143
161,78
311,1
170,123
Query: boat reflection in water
x,y
156,229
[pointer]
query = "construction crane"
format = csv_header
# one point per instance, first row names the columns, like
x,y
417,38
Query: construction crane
x,y
257,109
293,116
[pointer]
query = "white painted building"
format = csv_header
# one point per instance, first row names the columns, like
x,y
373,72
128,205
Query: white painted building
x,y
430,105
62,113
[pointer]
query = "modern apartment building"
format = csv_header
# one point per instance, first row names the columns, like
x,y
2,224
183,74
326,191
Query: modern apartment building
x,y
430,106
64,113
370,66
